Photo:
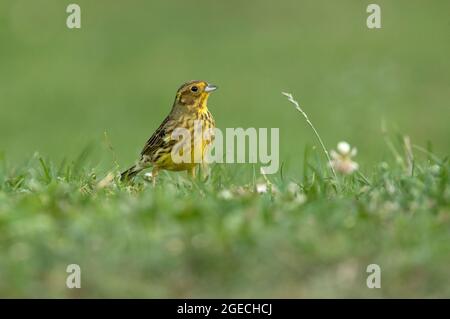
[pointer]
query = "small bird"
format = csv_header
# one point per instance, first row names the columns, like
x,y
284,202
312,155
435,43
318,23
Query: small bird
x,y
190,105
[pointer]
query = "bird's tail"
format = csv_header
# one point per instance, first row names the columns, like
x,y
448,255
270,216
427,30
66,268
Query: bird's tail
x,y
130,173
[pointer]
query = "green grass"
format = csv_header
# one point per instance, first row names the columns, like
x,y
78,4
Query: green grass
x,y
61,90
187,239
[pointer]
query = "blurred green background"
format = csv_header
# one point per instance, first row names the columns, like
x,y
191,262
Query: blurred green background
x,y
61,89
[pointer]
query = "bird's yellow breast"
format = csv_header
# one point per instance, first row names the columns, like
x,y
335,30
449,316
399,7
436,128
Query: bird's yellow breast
x,y
197,145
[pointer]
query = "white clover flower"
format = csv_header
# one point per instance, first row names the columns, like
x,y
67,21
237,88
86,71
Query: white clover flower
x,y
300,199
343,148
226,194
341,160
294,191
148,176
261,188
435,169
293,188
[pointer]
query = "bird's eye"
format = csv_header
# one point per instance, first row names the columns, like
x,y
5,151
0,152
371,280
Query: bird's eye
x,y
194,89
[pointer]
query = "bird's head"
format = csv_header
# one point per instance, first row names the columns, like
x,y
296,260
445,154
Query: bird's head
x,y
193,95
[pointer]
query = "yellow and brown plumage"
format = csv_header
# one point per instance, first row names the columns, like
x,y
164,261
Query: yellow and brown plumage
x,y
190,105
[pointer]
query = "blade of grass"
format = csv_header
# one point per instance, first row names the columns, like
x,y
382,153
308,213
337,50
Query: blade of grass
x,y
390,144
430,155
298,108
46,170
409,155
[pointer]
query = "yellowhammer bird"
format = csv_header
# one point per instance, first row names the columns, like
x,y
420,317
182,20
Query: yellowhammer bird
x,y
190,106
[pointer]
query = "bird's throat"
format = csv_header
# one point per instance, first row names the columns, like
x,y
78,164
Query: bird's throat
x,y
202,106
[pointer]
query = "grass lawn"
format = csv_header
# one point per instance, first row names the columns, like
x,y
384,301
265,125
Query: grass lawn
x,y
298,233
312,237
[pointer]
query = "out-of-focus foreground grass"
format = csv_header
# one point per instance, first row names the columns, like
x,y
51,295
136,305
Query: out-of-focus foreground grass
x,y
301,238
61,89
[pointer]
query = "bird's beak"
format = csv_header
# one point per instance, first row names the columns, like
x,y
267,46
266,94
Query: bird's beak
x,y
209,88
